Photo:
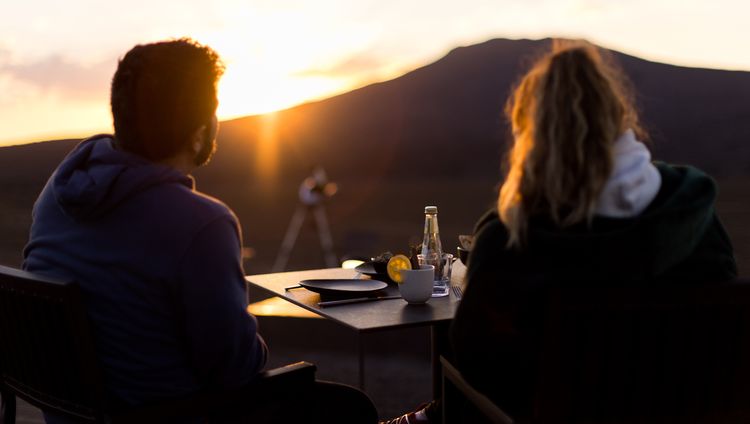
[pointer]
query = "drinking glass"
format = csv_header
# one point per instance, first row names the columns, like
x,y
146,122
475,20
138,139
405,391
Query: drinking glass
x,y
443,268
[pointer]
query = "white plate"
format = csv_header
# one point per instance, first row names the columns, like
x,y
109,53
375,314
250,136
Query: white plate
x,y
343,286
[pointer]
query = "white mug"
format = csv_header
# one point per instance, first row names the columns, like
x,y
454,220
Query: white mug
x,y
416,285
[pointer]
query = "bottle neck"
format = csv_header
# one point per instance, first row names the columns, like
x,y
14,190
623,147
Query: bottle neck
x,y
431,245
431,224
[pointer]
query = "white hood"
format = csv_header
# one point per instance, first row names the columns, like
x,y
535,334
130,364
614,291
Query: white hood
x,y
634,182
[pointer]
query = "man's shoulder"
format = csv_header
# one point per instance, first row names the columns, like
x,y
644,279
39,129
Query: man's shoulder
x,y
194,208
211,205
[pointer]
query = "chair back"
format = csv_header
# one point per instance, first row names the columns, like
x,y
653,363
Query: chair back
x,y
47,356
646,355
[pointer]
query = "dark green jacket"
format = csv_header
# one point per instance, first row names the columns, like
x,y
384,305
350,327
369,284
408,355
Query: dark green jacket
x,y
678,239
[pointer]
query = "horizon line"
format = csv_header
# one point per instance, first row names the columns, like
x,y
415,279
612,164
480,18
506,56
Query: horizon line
x,y
82,134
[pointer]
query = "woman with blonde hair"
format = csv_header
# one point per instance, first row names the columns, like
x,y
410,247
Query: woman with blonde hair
x,y
582,202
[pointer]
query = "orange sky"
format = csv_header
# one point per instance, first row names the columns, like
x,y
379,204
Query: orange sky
x,y
56,58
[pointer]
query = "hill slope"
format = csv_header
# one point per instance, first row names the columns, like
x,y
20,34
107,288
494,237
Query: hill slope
x,y
452,108
432,136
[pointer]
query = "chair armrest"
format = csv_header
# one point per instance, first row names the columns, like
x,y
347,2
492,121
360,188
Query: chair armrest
x,y
297,371
290,378
480,401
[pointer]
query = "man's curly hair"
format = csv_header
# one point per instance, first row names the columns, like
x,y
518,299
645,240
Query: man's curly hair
x,y
161,94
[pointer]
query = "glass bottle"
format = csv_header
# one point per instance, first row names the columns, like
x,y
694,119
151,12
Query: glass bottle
x,y
432,249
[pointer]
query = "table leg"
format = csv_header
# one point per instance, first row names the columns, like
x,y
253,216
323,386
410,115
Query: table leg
x,y
7,408
440,345
361,357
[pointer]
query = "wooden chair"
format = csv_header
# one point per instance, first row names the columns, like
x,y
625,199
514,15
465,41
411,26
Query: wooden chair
x,y
47,358
634,355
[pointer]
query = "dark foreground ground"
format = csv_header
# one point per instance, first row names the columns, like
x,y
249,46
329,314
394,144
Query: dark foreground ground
x,y
397,363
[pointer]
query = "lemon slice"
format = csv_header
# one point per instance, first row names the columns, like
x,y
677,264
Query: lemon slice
x,y
395,265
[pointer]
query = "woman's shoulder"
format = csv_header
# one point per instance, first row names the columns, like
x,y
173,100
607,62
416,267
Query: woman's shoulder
x,y
490,241
489,226
684,185
684,176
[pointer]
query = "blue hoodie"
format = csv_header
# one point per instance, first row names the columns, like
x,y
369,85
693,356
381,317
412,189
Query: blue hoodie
x,y
160,268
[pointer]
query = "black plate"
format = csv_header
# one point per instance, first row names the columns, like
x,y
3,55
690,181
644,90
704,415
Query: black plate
x,y
368,268
343,286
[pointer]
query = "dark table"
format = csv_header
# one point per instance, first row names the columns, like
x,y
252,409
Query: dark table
x,y
380,315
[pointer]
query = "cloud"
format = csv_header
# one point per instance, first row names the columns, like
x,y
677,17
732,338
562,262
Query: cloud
x,y
55,73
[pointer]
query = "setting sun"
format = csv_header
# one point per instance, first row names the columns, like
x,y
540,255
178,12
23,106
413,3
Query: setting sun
x,y
278,58
247,90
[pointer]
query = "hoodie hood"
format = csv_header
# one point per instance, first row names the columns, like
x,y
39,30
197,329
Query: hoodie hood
x,y
664,234
96,177
640,247
634,182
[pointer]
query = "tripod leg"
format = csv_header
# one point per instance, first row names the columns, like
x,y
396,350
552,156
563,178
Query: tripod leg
x,y
324,232
289,239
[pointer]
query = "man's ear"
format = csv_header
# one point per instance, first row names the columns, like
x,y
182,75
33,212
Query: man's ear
x,y
212,129
198,136
205,134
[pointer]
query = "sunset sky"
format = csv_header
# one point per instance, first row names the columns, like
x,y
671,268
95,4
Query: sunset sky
x,y
57,58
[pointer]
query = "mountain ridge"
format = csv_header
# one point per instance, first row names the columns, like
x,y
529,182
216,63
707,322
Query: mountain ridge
x,y
435,135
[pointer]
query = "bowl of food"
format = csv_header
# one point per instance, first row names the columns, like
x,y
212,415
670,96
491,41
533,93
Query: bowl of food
x,y
465,244
380,262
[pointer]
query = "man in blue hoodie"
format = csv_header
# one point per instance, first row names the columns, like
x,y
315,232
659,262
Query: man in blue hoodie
x,y
159,263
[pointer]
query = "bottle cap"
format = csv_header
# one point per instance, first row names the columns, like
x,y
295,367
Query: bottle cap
x,y
430,209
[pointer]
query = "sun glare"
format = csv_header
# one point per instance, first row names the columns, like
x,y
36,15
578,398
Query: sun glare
x,y
248,90
266,55
267,150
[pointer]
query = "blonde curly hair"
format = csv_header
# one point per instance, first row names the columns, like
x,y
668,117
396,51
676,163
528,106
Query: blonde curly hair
x,y
565,114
